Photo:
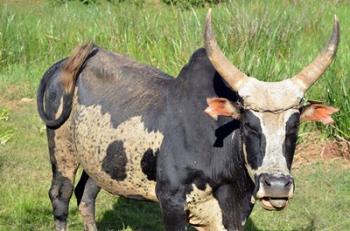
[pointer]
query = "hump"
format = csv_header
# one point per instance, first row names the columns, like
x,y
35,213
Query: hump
x,y
200,76
198,62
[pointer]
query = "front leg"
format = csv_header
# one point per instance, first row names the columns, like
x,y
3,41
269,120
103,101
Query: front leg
x,y
172,203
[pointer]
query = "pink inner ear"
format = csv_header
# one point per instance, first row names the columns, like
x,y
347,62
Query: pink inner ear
x,y
220,107
319,112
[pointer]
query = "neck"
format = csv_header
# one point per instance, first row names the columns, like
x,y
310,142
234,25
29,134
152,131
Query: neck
x,y
196,82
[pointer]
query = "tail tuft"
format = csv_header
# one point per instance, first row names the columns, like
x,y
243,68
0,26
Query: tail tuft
x,y
73,65
68,77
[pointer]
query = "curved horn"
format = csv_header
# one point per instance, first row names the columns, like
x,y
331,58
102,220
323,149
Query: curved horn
x,y
310,74
232,75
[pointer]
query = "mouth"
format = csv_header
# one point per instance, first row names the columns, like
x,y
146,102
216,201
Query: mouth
x,y
273,203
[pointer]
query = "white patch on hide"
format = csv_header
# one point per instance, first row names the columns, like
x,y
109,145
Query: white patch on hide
x,y
93,133
204,209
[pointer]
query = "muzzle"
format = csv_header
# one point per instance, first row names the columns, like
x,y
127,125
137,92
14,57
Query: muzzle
x,y
274,190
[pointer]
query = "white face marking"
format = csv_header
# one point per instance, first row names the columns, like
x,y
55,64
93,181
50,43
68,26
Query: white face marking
x,y
273,127
204,209
93,133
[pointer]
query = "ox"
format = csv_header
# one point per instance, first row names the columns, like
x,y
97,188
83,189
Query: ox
x,y
142,134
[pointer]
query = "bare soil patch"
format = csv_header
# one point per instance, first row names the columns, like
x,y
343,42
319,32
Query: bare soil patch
x,y
13,104
314,149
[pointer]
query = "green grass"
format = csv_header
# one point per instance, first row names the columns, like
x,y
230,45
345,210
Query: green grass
x,y
271,40
321,202
6,131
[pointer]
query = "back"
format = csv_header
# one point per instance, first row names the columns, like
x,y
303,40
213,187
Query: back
x,y
123,88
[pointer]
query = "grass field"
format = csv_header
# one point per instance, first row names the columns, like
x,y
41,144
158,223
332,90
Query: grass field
x,y
271,40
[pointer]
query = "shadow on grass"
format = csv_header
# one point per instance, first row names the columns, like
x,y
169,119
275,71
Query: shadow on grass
x,y
146,216
137,215
250,226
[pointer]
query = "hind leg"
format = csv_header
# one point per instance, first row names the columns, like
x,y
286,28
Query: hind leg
x,y
86,193
64,167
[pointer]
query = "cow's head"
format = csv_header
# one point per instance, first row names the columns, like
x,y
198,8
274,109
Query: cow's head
x,y
270,113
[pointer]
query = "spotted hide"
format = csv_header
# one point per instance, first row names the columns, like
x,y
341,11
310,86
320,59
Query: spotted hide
x,y
142,134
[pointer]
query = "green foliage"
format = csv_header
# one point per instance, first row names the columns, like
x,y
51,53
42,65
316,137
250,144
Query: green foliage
x,y
271,40
6,131
4,115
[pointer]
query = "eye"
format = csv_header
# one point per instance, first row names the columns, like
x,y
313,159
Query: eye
x,y
250,128
292,129
251,124
293,124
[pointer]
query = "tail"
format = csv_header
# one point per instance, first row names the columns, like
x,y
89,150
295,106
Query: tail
x,y
68,77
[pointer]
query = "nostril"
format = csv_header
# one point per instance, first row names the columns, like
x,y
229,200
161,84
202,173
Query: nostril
x,y
267,182
288,184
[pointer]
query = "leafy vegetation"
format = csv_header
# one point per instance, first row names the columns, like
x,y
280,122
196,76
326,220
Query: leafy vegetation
x,y
271,40
6,131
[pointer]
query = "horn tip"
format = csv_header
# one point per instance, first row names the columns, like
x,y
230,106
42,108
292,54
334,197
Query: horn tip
x,y
208,14
335,36
208,31
336,22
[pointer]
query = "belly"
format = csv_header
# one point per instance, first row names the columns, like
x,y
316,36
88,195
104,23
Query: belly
x,y
122,160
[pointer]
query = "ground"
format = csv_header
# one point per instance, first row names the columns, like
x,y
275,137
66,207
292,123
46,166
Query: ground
x,y
321,202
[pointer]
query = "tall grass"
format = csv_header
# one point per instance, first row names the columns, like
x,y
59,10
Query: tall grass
x,y
270,40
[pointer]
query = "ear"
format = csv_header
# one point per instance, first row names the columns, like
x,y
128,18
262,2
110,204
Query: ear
x,y
221,107
318,112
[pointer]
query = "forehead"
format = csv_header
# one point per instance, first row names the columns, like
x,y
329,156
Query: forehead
x,y
270,96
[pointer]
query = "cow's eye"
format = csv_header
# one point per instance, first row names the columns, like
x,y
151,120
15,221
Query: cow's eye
x,y
292,129
250,128
293,123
